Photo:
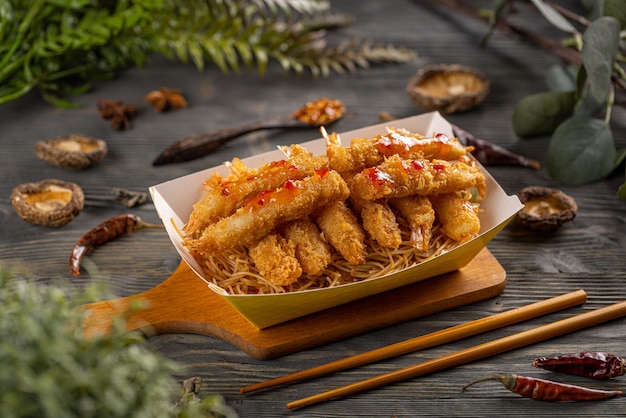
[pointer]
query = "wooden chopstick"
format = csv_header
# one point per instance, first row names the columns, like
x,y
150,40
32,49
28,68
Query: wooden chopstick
x,y
474,353
447,335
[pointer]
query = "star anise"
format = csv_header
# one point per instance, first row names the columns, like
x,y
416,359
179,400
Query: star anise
x,y
119,113
165,98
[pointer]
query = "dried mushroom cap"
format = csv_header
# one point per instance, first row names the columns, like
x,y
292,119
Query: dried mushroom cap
x,y
49,202
448,88
545,209
73,152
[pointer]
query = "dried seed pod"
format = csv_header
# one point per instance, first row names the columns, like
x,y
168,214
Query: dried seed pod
x,y
73,152
50,202
545,209
448,88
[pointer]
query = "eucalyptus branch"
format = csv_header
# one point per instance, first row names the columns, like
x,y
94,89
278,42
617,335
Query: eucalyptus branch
x,y
569,55
570,14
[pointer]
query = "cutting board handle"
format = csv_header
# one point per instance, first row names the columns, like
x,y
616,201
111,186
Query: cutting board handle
x,y
180,304
184,304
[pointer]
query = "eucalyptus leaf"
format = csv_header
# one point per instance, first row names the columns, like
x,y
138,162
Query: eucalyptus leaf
x,y
554,17
581,151
600,46
621,192
617,9
561,78
540,113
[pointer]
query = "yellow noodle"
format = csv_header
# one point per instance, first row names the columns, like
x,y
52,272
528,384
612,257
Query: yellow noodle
x,y
236,274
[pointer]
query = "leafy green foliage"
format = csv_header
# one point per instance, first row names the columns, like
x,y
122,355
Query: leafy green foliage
x,y
601,41
61,46
50,370
577,111
541,113
581,150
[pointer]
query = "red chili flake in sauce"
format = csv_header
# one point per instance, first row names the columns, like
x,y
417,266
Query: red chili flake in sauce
x,y
442,138
416,165
279,196
273,168
395,143
321,172
377,177
439,167
261,199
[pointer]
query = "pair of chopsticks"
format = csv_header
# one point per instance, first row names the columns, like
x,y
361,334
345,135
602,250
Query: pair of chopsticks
x,y
458,358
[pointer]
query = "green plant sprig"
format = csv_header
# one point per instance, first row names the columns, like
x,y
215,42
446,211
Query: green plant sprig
x,y
50,369
63,46
576,112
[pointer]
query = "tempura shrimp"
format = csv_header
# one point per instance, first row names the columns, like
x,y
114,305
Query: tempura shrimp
x,y
224,196
457,215
275,258
269,209
367,152
342,230
418,212
311,250
379,221
399,178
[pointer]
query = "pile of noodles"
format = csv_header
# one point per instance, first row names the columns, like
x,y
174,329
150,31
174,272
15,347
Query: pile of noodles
x,y
235,272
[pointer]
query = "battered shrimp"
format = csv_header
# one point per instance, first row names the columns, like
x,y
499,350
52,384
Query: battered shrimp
x,y
224,196
400,178
379,221
410,145
458,216
360,154
275,258
342,230
367,152
311,250
264,212
419,213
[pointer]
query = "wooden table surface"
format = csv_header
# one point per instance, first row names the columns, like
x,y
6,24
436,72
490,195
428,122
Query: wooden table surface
x,y
587,254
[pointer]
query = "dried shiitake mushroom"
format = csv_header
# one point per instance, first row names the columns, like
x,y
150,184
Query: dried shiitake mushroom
x,y
73,152
448,88
50,202
545,209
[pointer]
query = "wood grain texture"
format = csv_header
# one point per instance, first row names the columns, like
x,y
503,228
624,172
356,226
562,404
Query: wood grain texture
x,y
183,303
589,253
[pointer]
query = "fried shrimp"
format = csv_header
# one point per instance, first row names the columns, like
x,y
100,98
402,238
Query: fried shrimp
x,y
457,215
311,250
379,221
418,212
342,230
367,152
224,196
399,178
264,212
275,258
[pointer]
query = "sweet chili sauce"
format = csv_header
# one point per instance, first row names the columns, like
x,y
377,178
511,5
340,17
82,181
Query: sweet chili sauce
x,y
275,168
395,143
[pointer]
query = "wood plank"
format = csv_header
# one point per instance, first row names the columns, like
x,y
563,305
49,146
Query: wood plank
x,y
184,304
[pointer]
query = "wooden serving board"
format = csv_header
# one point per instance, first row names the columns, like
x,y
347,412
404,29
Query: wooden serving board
x,y
184,304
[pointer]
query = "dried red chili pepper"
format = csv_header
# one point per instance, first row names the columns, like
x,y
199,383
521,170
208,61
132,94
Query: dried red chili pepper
x,y
488,153
546,390
103,233
594,364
